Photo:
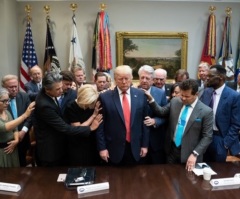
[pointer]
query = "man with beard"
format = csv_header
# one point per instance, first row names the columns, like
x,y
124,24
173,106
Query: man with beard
x,y
225,103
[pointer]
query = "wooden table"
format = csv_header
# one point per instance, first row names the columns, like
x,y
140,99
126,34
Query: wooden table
x,y
140,182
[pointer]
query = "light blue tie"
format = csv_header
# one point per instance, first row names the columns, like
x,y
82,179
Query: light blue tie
x,y
181,126
14,108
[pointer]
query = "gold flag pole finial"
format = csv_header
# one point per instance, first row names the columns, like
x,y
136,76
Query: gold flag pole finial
x,y
103,6
228,11
28,9
47,10
73,6
212,9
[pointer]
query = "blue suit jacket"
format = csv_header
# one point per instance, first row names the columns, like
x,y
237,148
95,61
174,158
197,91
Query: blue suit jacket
x,y
111,134
32,89
157,133
69,97
227,117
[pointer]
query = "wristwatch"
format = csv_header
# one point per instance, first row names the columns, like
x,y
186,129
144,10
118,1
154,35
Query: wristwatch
x,y
195,154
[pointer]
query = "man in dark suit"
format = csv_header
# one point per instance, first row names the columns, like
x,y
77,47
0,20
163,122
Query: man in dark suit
x,y
203,70
187,138
68,95
34,86
17,106
159,79
49,125
226,108
156,154
122,138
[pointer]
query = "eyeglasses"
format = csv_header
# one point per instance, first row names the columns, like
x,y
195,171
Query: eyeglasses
x,y
5,101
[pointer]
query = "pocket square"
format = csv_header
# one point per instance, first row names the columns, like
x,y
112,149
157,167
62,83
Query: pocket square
x,y
198,120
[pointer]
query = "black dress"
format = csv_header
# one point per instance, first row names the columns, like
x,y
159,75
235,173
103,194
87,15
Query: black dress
x,y
81,151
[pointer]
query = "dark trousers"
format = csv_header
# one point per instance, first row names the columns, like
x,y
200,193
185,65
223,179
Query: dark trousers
x,y
174,155
128,159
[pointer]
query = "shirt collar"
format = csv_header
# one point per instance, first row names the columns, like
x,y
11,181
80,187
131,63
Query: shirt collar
x,y
220,90
120,92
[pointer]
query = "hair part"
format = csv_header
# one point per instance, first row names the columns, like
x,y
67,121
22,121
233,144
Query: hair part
x,y
3,92
87,96
146,68
7,78
51,78
67,75
123,69
99,74
189,84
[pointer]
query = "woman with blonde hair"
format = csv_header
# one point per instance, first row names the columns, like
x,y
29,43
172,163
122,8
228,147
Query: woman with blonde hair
x,y
81,112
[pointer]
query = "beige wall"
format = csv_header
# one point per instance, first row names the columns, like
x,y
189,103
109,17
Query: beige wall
x,y
124,16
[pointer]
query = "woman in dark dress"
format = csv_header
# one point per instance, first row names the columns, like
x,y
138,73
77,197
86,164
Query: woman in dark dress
x,y
82,151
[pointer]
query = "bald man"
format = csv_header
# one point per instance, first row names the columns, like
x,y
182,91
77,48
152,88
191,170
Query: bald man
x,y
34,86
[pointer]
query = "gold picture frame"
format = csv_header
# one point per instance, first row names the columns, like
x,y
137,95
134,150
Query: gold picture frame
x,y
166,50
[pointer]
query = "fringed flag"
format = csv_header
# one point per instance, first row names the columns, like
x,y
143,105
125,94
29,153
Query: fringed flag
x,y
75,56
101,56
29,57
209,49
225,56
51,62
237,71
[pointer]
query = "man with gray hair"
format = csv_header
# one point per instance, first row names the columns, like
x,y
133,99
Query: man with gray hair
x,y
50,128
203,70
159,79
18,105
156,154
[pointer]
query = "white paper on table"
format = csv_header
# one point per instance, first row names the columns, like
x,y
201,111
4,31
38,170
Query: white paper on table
x,y
198,170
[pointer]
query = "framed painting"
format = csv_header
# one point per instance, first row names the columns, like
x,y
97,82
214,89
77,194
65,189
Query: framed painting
x,y
167,50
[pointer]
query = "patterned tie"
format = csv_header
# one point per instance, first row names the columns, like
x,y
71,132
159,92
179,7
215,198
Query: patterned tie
x,y
126,113
14,108
181,126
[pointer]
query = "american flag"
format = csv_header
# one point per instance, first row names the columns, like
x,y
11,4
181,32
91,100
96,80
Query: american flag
x,y
29,57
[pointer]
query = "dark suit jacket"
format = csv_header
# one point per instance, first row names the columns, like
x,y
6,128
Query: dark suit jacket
x,y
51,129
168,89
32,89
22,102
69,97
157,133
198,131
227,118
111,134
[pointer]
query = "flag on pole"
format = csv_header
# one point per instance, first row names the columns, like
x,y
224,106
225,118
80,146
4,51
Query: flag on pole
x,y
225,56
209,49
51,62
29,57
101,56
237,70
75,56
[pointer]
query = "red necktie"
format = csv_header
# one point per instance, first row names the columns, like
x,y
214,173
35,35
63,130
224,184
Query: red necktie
x,y
126,113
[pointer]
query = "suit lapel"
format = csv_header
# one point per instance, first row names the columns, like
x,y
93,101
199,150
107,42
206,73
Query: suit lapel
x,y
117,102
134,99
193,116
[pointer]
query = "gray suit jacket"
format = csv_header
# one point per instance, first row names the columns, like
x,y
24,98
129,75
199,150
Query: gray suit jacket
x,y
198,132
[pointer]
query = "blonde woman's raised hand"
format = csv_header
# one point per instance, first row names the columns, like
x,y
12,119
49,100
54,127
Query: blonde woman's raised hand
x,y
97,109
96,122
